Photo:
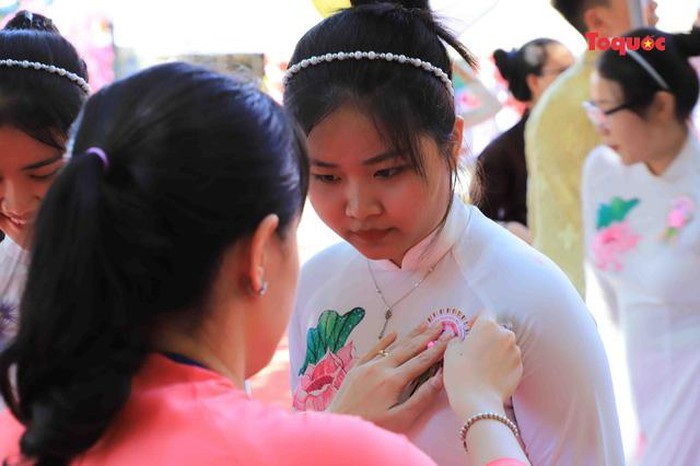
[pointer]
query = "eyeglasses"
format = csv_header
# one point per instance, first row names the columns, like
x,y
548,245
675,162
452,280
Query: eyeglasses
x,y
598,116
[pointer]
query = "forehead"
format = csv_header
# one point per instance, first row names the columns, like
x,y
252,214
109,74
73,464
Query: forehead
x,y
557,53
346,132
17,149
603,89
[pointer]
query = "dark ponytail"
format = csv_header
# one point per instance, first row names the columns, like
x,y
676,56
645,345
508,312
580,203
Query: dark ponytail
x,y
195,161
671,64
39,103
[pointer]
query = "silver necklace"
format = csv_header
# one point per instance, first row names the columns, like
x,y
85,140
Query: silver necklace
x,y
390,307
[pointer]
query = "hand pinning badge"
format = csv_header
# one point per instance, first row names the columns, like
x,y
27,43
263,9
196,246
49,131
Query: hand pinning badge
x,y
452,320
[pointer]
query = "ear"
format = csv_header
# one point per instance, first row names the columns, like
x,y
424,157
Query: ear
x,y
664,106
457,134
533,82
594,19
259,251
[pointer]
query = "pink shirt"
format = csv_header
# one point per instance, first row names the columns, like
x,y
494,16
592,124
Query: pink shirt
x,y
182,414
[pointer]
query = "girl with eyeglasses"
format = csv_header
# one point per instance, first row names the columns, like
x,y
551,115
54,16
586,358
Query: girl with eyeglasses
x,y
641,195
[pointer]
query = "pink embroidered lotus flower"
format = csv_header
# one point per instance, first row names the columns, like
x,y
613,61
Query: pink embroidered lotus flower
x,y
322,381
610,244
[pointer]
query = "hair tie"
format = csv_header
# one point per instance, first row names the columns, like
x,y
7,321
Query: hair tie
x,y
100,154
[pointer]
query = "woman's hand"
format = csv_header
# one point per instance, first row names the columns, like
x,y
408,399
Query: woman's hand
x,y
482,371
373,387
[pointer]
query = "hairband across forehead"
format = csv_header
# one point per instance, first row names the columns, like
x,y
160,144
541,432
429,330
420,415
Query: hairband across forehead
x,y
370,55
57,70
649,69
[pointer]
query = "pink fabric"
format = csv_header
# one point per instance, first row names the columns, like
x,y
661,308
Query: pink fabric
x,y
184,415
506,462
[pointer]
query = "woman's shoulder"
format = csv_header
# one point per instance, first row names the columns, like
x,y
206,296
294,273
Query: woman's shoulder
x,y
323,438
314,438
492,259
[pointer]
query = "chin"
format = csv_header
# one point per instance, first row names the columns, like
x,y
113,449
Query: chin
x,y
372,253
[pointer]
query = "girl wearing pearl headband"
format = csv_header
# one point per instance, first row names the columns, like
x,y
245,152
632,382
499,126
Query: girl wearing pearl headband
x,y
370,86
43,83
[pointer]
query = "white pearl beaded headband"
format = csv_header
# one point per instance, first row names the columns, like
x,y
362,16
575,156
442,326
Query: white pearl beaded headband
x,y
80,82
359,55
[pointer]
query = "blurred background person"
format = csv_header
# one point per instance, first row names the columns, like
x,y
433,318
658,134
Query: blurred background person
x,y
499,185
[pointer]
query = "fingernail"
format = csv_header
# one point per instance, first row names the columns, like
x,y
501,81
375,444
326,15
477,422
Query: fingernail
x,y
430,345
446,335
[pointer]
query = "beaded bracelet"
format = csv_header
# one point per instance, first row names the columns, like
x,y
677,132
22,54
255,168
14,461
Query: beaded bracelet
x,y
492,416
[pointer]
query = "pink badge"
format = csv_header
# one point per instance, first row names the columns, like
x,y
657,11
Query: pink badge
x,y
452,319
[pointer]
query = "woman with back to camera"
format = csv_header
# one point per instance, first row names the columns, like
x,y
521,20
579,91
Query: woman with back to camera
x,y
499,186
163,272
43,83
641,194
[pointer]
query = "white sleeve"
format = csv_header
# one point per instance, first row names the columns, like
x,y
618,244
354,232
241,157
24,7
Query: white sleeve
x,y
297,340
599,293
565,404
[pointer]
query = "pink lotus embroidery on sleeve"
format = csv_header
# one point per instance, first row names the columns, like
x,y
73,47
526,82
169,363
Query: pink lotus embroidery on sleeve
x,y
615,237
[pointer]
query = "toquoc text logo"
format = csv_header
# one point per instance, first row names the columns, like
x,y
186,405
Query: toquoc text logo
x,y
623,44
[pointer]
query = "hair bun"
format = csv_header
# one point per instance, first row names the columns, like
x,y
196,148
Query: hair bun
x,y
689,43
419,4
28,21
505,63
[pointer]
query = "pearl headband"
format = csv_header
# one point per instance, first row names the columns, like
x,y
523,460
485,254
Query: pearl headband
x,y
77,80
359,55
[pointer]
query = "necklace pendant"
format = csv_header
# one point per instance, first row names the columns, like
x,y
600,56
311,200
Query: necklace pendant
x,y
387,316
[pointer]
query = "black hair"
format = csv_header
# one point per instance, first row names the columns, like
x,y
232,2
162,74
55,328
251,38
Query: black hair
x,y
573,11
516,65
195,161
405,102
639,87
39,103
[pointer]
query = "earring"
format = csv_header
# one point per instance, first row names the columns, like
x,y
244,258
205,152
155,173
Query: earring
x,y
261,291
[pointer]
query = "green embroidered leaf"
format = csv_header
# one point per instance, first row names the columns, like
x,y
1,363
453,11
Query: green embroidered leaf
x,y
331,334
339,333
614,212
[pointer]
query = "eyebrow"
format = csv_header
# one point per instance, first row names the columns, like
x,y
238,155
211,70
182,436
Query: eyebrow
x,y
388,155
43,163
